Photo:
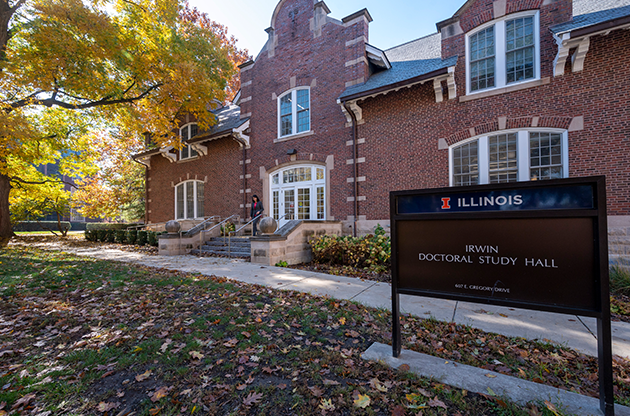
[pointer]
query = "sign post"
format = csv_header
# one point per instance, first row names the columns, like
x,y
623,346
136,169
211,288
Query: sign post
x,y
533,245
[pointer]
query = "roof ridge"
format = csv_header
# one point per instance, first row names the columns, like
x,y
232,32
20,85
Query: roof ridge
x,y
411,41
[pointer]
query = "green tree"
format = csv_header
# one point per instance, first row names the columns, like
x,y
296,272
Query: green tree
x,y
70,65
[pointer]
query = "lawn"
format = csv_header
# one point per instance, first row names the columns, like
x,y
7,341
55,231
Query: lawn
x,y
81,336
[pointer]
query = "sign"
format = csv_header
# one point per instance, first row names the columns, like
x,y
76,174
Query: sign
x,y
535,245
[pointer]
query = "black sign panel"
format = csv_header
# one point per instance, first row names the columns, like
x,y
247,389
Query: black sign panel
x,y
536,245
543,261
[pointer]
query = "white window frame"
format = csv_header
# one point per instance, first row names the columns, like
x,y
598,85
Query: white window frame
x,y
313,184
187,146
522,149
195,200
294,113
500,52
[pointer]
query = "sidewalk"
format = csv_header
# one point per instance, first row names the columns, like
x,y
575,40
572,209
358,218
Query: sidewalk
x,y
572,331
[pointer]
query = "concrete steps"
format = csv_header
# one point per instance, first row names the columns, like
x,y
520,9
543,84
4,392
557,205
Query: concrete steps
x,y
222,246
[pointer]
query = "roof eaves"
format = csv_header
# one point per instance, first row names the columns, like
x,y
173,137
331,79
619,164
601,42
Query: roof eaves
x,y
599,27
396,85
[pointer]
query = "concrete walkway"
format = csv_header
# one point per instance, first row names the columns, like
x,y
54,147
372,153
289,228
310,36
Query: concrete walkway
x,y
572,331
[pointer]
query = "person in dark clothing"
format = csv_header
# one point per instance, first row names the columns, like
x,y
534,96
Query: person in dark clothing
x,y
257,209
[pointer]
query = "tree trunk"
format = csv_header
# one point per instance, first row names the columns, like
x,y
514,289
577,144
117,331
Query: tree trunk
x,y
6,231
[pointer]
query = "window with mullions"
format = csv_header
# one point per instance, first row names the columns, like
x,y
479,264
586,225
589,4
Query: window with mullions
x,y
503,162
294,112
509,157
189,199
504,52
186,133
465,165
545,156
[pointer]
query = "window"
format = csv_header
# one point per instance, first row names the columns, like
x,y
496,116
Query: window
x,y
298,193
186,133
510,157
189,198
503,52
294,114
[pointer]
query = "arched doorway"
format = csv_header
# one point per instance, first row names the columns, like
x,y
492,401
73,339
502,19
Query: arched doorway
x,y
298,192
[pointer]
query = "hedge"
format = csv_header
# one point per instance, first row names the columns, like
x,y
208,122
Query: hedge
x,y
371,252
41,226
140,238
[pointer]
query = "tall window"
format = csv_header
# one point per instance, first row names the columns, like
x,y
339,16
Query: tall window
x,y
503,52
294,112
189,198
186,133
299,193
509,157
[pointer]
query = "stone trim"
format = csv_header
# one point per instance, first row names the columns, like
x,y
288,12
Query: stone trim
x,y
355,82
505,90
357,61
357,40
513,123
294,136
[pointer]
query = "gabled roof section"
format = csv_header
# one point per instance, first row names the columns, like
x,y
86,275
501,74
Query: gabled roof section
x,y
411,62
591,16
228,119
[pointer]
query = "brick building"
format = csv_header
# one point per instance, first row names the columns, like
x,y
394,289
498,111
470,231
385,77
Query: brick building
x,y
326,124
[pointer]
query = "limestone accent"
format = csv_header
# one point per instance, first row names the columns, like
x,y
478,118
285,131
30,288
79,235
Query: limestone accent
x,y
355,41
505,90
499,8
535,121
291,242
442,144
293,82
246,99
357,61
502,123
246,84
355,82
577,124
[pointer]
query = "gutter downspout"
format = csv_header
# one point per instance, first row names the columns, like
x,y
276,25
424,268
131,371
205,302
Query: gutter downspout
x,y
355,167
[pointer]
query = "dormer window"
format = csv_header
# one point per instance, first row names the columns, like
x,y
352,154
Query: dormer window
x,y
503,52
186,133
294,115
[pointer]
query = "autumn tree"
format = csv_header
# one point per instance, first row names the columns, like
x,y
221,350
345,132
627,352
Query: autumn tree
x,y
134,64
236,56
117,191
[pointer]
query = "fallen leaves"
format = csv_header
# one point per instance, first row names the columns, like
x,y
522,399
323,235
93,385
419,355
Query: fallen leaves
x,y
326,405
159,394
362,401
144,376
252,398
196,355
106,407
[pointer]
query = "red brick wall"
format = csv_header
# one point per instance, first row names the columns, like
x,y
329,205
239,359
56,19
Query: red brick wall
x,y
402,128
318,62
220,167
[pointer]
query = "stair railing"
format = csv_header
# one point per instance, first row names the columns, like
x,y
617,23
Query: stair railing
x,y
236,231
202,226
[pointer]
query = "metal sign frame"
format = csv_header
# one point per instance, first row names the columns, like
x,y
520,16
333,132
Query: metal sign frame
x,y
596,213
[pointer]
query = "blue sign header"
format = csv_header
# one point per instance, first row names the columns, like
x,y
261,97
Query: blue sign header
x,y
525,199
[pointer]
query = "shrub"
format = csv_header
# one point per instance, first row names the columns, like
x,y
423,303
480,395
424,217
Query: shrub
x,y
106,226
132,236
91,235
227,227
282,263
153,238
121,236
111,235
619,280
372,252
142,237
101,235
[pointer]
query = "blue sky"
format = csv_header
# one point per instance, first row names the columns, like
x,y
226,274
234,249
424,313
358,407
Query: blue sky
x,y
395,21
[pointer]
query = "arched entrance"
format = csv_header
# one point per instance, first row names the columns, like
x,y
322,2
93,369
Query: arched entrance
x,y
298,192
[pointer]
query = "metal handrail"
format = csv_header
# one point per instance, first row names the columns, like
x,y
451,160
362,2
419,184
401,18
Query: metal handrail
x,y
236,231
202,225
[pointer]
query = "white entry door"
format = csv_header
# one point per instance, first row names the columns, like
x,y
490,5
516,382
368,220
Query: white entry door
x,y
298,194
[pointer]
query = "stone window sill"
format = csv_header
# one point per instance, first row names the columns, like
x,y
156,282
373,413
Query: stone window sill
x,y
294,136
505,90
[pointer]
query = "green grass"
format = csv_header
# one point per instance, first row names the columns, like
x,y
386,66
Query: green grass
x,y
212,344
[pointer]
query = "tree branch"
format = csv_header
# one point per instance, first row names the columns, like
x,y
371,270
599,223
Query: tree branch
x,y
25,182
53,101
